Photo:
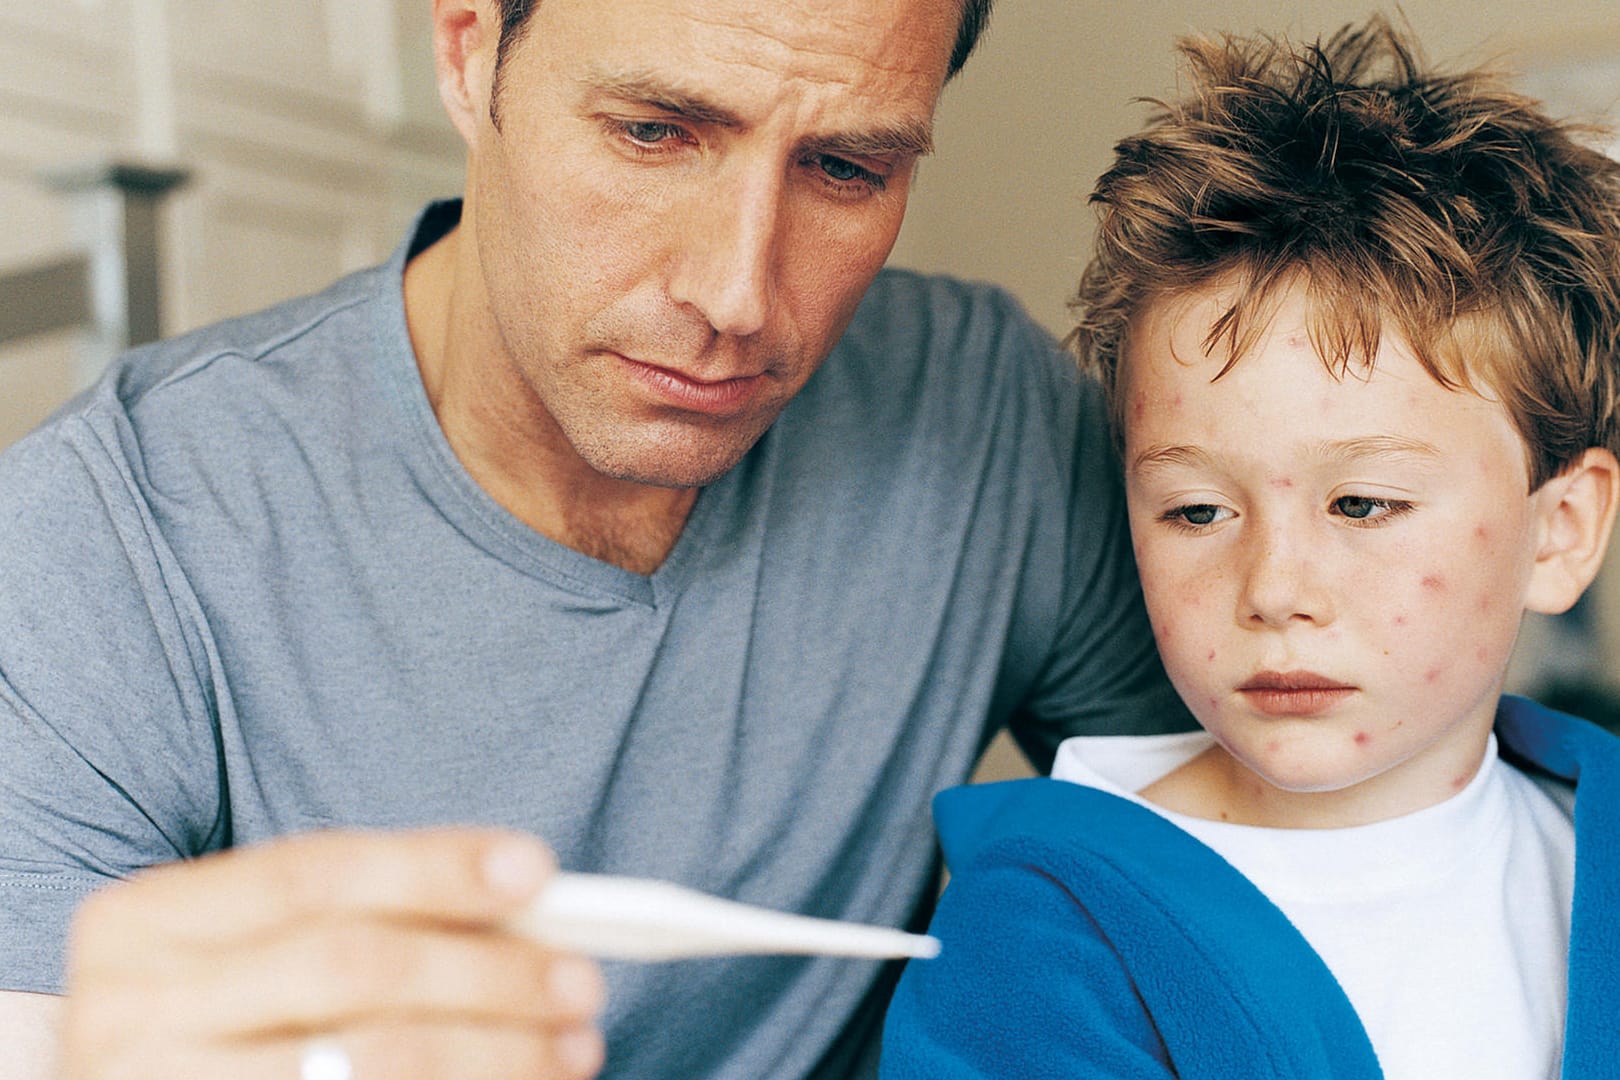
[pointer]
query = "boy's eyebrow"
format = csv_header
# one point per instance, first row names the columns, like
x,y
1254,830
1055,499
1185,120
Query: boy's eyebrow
x,y
1358,449
904,138
1372,446
1163,456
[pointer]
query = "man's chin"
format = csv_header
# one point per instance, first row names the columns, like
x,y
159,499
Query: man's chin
x,y
682,458
668,478
669,468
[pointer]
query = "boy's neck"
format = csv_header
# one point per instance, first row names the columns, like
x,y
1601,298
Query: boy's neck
x,y
1217,786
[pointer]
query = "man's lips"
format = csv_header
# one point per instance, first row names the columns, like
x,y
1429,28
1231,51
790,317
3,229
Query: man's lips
x,y
1294,693
694,394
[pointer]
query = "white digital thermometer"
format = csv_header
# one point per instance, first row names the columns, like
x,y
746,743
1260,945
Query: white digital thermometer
x,y
624,918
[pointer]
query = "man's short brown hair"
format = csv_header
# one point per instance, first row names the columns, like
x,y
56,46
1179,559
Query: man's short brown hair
x,y
515,17
1443,207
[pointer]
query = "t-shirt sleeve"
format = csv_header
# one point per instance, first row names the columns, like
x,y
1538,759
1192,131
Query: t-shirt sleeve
x,y
110,764
1101,673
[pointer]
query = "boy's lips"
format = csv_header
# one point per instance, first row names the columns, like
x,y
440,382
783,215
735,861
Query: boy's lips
x,y
1293,693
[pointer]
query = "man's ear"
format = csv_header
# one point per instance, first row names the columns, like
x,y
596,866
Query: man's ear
x,y
1576,510
466,35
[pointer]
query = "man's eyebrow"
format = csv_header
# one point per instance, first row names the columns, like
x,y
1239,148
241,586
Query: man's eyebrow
x,y
905,138
913,139
648,90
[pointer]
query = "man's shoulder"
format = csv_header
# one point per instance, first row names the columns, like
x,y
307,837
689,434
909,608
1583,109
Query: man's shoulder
x,y
910,307
218,377
202,401
330,323
945,352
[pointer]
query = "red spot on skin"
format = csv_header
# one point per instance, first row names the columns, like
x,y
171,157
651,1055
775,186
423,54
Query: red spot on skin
x,y
1459,782
1400,620
1434,583
1177,401
1273,746
1483,654
1362,738
1433,675
1485,602
1282,482
1139,409
1211,655
1482,534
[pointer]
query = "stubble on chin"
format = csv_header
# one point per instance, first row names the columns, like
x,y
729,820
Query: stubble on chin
x,y
671,454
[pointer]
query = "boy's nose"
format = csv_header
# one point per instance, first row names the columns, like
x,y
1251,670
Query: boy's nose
x,y
726,250
1283,581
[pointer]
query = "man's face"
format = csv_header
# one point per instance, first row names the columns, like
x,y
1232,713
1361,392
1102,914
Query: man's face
x,y
684,203
1336,569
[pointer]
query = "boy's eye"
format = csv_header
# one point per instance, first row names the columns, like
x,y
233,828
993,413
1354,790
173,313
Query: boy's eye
x,y
1363,508
1197,514
1354,506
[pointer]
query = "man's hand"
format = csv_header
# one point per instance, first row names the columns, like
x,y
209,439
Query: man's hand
x,y
390,946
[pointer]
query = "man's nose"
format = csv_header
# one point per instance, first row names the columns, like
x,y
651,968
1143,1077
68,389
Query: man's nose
x,y
728,247
1284,580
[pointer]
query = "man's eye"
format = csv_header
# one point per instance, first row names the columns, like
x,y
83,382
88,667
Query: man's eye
x,y
847,172
650,132
839,169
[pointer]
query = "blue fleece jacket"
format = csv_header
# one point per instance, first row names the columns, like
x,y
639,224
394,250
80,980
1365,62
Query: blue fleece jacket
x,y
1128,949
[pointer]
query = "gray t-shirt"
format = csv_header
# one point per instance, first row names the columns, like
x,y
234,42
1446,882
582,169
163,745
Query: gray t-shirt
x,y
247,589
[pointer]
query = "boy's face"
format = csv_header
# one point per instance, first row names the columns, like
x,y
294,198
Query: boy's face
x,y
1335,569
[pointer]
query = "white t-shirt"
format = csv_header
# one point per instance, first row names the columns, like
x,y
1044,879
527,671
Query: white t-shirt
x,y
1447,928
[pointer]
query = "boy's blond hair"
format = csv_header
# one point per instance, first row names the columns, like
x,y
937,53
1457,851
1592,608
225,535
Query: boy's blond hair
x,y
1445,207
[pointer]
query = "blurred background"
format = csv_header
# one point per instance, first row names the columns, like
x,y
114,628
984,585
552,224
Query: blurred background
x,y
309,131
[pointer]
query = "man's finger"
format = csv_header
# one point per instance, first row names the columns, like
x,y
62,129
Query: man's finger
x,y
465,876
345,972
423,1050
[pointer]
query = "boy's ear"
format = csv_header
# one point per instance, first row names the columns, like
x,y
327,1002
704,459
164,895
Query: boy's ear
x,y
1576,510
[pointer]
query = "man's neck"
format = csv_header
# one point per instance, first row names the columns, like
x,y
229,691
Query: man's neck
x,y
506,440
